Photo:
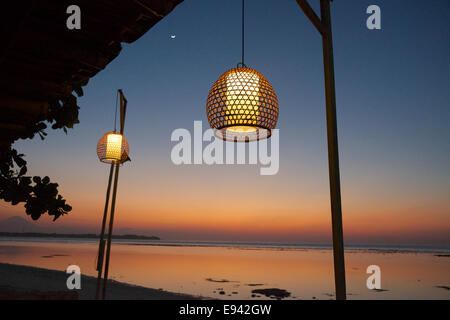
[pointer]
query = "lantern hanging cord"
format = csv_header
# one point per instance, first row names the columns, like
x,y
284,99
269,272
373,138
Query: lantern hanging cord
x,y
243,33
115,115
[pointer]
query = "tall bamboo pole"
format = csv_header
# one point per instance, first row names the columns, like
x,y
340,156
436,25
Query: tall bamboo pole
x,y
101,244
123,108
110,229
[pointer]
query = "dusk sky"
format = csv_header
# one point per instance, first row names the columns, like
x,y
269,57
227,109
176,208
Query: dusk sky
x,y
393,112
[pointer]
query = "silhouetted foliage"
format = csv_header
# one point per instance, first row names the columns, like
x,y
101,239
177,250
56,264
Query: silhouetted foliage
x,y
39,194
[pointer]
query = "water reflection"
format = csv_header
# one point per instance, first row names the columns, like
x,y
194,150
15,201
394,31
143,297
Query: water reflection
x,y
233,273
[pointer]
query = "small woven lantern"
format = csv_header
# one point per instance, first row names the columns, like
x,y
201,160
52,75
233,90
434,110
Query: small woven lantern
x,y
242,106
113,148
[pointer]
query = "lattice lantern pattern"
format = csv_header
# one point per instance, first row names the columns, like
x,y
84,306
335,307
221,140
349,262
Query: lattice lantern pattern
x,y
113,148
242,106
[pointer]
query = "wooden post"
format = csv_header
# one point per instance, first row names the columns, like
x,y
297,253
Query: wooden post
x,y
333,153
323,25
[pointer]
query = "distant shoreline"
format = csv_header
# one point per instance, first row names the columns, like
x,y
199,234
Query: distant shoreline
x,y
73,235
136,240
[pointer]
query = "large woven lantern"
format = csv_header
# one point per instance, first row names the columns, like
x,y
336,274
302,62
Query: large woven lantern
x,y
242,106
113,148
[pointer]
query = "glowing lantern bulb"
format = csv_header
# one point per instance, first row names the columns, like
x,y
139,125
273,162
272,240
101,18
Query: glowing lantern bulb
x,y
113,148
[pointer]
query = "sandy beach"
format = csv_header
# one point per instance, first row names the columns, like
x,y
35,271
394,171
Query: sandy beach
x,y
23,282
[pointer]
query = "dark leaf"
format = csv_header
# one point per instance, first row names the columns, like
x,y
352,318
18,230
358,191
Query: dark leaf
x,y
23,171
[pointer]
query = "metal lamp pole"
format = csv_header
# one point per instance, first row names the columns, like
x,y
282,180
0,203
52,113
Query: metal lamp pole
x,y
323,25
101,249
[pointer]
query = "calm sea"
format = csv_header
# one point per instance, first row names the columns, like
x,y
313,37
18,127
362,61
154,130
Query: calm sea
x,y
233,270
